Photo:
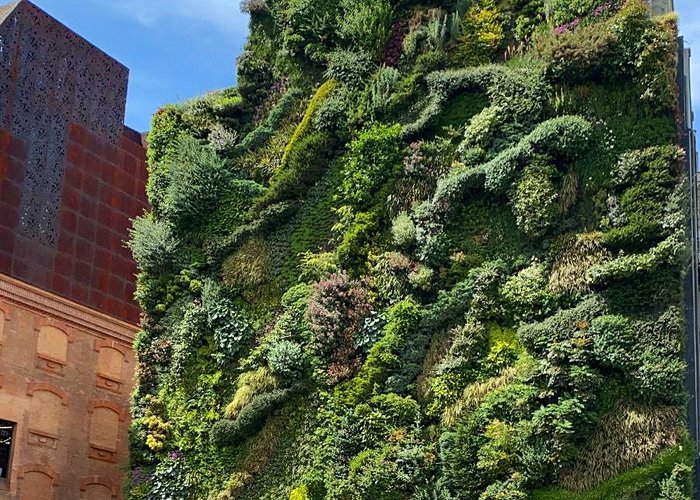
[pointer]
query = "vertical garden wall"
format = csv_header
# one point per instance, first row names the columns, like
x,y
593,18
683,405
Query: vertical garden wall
x,y
421,251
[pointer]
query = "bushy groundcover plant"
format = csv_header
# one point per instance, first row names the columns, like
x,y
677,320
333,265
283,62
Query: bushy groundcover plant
x,y
424,250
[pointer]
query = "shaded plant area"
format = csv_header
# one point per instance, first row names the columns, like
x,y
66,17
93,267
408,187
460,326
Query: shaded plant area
x,y
423,250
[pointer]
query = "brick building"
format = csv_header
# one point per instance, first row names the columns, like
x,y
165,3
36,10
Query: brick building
x,y
71,178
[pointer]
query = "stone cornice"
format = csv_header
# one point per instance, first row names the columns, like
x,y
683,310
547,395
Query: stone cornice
x,y
78,316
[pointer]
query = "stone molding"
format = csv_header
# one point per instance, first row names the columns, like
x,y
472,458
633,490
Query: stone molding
x,y
76,315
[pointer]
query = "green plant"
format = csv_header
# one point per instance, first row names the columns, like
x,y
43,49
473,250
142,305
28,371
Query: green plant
x,y
371,159
153,245
481,34
365,24
535,201
249,420
196,180
674,486
424,250
248,386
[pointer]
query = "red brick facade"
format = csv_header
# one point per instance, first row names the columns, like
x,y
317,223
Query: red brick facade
x,y
65,380
104,188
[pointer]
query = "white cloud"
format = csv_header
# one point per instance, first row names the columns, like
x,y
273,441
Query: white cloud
x,y
224,15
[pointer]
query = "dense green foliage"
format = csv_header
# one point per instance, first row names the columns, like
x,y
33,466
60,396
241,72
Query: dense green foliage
x,y
422,251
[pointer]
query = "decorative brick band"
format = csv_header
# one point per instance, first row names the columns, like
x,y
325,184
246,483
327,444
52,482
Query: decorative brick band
x,y
41,468
33,387
102,344
80,317
102,403
102,481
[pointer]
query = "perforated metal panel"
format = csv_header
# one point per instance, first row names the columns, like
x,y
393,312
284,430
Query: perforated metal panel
x,y
50,77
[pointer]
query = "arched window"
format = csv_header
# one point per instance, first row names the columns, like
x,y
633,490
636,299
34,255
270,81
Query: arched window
x,y
36,482
104,430
110,368
52,349
45,414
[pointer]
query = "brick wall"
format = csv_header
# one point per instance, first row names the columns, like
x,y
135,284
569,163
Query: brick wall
x,y
65,378
104,188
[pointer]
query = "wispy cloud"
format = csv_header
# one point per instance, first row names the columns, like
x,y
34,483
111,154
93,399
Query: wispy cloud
x,y
221,14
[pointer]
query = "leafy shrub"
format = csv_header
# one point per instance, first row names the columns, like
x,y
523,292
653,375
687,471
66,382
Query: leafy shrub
x,y
481,128
403,230
168,480
536,203
481,34
285,358
336,312
424,164
564,137
385,357
474,394
153,245
197,178
316,266
300,493
381,90
390,275
371,159
229,325
254,77
365,24
645,46
263,132
302,129
579,55
249,419
382,415
248,386
670,252
674,487
304,166
233,207
349,67
308,28
166,132
559,11
526,295
640,481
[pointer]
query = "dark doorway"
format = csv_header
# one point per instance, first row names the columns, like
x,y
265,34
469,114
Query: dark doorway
x,y
7,431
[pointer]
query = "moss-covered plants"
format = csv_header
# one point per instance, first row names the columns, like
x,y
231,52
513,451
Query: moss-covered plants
x,y
422,251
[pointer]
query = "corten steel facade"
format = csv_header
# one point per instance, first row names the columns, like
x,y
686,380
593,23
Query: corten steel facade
x,y
71,178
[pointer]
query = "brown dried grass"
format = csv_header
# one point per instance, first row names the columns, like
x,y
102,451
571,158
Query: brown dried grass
x,y
577,254
626,438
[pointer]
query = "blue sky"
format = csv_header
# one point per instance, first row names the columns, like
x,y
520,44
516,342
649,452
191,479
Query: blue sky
x,y
178,49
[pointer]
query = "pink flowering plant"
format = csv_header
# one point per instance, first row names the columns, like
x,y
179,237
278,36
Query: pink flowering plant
x,y
602,10
337,310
